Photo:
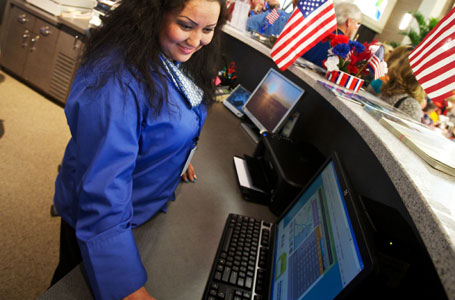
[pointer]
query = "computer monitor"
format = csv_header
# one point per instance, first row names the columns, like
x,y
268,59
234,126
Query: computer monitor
x,y
320,250
270,104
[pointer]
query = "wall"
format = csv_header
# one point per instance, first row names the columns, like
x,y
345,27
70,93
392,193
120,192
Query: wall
x,y
391,32
429,8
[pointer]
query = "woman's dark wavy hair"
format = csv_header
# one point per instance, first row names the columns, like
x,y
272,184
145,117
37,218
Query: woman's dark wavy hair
x,y
133,29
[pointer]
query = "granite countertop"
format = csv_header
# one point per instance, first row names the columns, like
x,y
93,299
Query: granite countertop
x,y
427,193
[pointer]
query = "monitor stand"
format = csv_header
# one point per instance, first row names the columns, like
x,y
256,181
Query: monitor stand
x,y
251,130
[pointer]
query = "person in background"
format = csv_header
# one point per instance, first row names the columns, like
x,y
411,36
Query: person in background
x,y
135,112
348,17
403,91
427,111
397,55
256,7
260,24
388,49
348,21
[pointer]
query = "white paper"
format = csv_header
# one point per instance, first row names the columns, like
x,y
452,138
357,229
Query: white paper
x,y
244,175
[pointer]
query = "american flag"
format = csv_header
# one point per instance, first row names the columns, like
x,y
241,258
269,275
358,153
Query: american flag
x,y
432,61
272,16
310,22
376,62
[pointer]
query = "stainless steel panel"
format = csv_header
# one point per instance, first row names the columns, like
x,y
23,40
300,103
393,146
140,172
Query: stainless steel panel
x,y
67,51
41,51
16,43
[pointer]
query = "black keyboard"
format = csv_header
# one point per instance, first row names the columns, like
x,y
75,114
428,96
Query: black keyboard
x,y
240,269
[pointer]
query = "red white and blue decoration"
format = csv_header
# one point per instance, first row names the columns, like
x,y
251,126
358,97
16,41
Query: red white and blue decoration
x,y
343,79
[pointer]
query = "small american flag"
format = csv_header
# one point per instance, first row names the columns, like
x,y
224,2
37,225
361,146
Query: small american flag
x,y
310,22
432,61
272,16
376,62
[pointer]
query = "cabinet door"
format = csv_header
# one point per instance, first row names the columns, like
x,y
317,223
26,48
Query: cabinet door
x,y
38,66
68,49
15,45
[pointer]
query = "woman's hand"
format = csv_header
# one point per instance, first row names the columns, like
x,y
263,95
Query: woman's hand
x,y
140,294
189,174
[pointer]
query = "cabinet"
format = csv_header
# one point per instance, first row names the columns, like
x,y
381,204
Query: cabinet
x,y
29,46
43,54
68,49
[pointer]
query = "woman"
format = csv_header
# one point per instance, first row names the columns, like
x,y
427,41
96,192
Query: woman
x,y
397,55
135,112
402,89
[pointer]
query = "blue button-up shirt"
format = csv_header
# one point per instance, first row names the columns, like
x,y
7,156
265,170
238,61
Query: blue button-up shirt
x,y
120,167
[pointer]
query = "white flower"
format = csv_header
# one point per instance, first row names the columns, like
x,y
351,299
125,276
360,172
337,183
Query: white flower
x,y
384,66
332,63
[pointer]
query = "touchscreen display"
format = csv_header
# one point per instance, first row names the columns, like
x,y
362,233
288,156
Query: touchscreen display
x,y
316,250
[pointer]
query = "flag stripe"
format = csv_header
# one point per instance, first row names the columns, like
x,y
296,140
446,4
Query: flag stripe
x,y
433,60
301,33
442,89
437,65
434,83
298,50
430,38
439,45
291,33
272,16
437,54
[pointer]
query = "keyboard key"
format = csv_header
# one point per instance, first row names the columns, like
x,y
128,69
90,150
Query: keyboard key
x,y
226,274
233,278
241,282
249,282
215,286
218,276
228,239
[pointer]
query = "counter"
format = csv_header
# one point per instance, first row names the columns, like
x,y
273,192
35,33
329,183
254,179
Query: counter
x,y
178,247
77,24
428,195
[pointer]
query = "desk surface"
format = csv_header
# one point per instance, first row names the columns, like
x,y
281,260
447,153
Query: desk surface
x,y
427,193
178,247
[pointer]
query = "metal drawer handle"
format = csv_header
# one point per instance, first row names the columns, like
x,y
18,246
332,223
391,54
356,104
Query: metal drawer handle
x,y
45,30
33,42
75,44
22,18
25,36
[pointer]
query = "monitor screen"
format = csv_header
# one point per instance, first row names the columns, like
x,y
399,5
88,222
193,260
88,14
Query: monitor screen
x,y
375,13
237,99
372,8
317,253
271,102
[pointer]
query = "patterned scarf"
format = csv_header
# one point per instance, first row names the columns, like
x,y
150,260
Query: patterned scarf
x,y
186,86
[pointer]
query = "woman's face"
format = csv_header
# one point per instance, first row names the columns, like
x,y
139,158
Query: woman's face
x,y
186,32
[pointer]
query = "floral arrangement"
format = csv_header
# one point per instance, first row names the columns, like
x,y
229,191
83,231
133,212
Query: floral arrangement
x,y
351,57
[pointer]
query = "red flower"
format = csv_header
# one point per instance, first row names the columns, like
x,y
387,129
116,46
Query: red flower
x,y
330,37
339,39
352,69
